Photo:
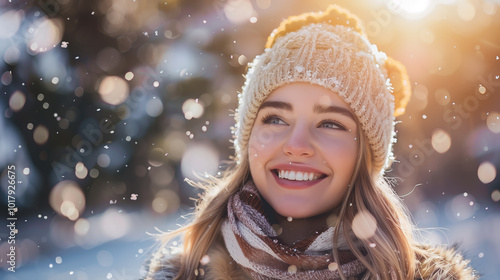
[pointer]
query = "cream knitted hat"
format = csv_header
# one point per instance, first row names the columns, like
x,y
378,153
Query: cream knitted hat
x,y
338,58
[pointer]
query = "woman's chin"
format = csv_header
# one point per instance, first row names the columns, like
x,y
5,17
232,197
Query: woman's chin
x,y
294,212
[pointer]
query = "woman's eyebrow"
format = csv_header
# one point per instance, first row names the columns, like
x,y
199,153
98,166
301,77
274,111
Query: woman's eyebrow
x,y
276,105
333,109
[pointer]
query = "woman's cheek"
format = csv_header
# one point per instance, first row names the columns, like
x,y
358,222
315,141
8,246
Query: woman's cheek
x,y
344,143
254,148
253,151
262,144
261,138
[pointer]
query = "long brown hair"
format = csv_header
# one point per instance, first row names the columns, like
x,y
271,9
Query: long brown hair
x,y
210,212
390,252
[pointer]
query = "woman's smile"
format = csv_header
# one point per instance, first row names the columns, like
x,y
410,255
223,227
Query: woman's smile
x,y
296,176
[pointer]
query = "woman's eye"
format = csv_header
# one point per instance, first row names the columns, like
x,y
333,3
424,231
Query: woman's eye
x,y
273,120
332,125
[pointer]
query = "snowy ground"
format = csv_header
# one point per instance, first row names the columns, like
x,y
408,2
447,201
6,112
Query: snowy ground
x,y
114,259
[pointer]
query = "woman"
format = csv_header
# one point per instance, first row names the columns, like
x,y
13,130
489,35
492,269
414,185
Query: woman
x,y
306,198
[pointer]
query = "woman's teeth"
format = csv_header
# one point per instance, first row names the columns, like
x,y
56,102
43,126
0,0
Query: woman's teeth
x,y
297,175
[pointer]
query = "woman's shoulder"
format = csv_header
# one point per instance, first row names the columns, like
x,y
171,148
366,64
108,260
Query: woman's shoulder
x,y
161,265
221,265
443,263
218,265
433,263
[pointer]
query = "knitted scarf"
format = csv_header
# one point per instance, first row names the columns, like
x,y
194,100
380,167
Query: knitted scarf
x,y
255,246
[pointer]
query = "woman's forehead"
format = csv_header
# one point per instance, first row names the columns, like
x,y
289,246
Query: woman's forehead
x,y
306,93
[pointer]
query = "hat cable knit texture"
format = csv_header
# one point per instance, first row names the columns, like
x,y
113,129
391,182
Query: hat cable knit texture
x,y
337,58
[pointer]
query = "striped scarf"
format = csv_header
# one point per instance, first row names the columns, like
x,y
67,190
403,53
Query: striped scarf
x,y
255,246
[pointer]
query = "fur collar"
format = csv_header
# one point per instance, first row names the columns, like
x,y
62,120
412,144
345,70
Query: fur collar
x,y
434,263
222,266
437,263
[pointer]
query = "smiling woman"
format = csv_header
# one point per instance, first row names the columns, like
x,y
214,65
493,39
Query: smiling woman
x,y
306,197
305,169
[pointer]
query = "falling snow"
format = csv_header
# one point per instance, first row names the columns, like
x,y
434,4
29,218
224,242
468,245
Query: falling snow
x,y
104,122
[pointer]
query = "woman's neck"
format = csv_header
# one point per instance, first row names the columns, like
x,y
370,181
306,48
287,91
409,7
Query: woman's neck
x,y
291,231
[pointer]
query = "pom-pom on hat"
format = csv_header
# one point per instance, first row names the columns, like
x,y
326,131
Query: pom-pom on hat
x,y
329,49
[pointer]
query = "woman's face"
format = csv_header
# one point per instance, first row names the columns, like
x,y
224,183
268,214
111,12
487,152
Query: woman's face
x,y
302,150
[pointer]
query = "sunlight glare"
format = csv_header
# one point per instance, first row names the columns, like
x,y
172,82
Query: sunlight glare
x,y
413,9
415,6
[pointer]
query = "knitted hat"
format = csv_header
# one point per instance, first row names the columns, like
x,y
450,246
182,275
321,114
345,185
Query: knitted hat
x,y
328,49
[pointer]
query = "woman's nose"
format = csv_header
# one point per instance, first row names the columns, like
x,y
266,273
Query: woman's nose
x,y
299,142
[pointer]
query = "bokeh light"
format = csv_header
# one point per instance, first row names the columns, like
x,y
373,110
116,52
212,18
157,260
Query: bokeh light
x,y
466,10
493,122
68,209
103,160
46,35
67,199
41,134
94,173
81,171
495,196
199,159
6,78
157,157
441,141
165,201
486,172
154,107
242,60
333,266
82,226
292,269
114,223
12,55
239,11
192,109
481,89
129,76
420,97
10,22
17,101
461,207
113,90
489,8
364,225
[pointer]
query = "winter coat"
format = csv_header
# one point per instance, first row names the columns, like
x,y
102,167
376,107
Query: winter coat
x,y
439,264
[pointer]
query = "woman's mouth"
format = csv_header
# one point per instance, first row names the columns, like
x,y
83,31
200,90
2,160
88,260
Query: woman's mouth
x,y
298,175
